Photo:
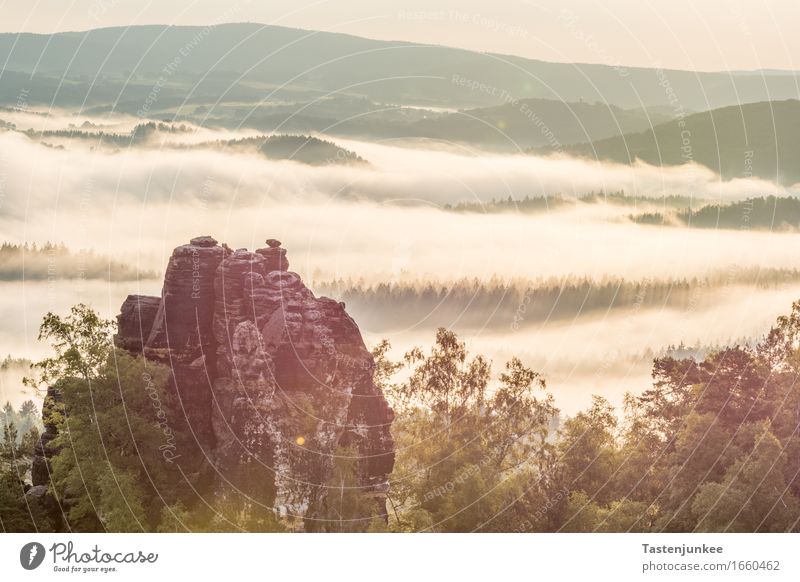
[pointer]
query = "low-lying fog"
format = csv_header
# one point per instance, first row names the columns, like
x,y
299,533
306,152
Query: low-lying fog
x,y
384,223
612,353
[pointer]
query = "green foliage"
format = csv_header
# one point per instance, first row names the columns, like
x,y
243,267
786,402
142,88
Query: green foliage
x,y
753,494
347,507
588,452
111,465
232,512
465,453
25,419
722,439
112,415
17,513
8,447
585,515
81,342
174,519
28,442
445,381
711,446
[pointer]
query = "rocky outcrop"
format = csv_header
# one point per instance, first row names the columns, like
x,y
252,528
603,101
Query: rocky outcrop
x,y
44,451
274,382
136,320
40,500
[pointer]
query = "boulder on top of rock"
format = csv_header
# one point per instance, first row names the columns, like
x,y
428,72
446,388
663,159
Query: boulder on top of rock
x,y
275,256
204,241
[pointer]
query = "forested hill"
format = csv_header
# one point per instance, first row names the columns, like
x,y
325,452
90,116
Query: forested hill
x,y
240,61
756,139
537,122
765,213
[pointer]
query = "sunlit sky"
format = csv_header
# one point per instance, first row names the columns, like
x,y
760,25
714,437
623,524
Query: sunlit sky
x,y
687,34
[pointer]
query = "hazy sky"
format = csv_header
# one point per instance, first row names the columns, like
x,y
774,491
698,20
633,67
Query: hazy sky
x,y
689,34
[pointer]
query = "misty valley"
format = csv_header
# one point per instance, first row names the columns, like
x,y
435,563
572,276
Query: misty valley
x,y
404,288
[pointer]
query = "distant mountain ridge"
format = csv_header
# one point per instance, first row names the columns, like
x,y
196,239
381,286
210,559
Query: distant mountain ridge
x,y
232,61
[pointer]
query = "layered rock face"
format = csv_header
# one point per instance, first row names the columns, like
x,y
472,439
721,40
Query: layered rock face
x,y
274,382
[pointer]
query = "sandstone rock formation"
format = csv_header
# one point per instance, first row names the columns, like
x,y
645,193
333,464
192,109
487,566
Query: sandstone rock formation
x,y
38,494
273,382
